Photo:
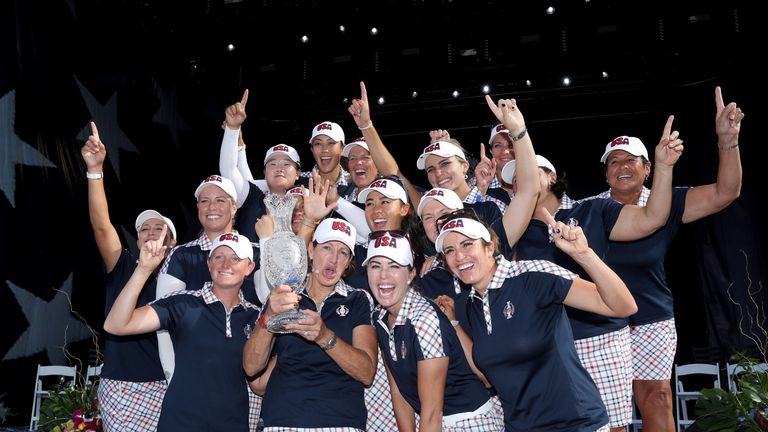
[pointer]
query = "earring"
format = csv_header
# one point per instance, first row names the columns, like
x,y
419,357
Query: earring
x,y
646,177
466,176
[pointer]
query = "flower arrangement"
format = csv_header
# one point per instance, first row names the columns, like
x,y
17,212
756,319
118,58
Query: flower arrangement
x,y
71,408
745,409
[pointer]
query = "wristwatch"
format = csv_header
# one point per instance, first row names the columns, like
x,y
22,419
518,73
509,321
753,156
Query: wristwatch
x,y
330,344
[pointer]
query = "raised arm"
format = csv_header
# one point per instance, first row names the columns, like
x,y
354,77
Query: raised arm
x,y
94,153
608,295
702,201
382,158
518,213
234,116
124,318
636,222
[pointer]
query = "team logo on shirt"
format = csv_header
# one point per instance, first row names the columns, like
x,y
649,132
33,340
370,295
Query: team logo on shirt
x,y
509,310
342,311
402,350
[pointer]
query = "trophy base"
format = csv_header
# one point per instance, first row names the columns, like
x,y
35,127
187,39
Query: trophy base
x,y
277,323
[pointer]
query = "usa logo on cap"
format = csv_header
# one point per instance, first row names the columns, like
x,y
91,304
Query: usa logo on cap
x,y
341,226
435,192
622,140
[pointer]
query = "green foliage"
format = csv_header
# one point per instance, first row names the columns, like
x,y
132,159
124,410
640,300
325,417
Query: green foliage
x,y
65,402
745,409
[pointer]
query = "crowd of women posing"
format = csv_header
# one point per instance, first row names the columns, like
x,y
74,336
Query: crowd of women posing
x,y
490,302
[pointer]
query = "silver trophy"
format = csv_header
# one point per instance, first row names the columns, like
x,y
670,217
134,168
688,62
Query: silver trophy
x,y
284,257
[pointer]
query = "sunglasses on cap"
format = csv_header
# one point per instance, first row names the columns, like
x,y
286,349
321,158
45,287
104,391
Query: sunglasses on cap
x,y
391,233
466,212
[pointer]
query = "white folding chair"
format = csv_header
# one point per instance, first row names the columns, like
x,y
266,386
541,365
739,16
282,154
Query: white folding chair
x,y
69,373
708,376
734,370
93,372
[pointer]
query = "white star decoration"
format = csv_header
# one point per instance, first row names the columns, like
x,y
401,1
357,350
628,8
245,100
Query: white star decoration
x,y
51,325
13,150
105,117
167,114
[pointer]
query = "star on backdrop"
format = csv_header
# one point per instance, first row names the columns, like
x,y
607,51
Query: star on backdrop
x,y
51,325
168,113
105,117
13,150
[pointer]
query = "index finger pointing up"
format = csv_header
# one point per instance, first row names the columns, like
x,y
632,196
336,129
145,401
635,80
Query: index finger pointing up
x,y
363,92
245,98
719,99
95,131
668,127
548,218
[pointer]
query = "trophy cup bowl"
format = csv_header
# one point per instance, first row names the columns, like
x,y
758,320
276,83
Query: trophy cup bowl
x,y
284,258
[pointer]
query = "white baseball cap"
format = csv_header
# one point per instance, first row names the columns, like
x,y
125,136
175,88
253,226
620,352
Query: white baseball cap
x,y
329,128
396,248
468,227
385,186
357,142
508,172
332,229
439,148
152,214
237,242
498,128
283,149
629,144
447,197
217,180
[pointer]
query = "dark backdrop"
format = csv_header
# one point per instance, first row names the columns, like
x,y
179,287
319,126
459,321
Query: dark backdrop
x,y
156,77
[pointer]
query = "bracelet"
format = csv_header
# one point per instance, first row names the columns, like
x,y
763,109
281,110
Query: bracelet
x,y
370,125
727,147
330,344
94,176
519,136
311,224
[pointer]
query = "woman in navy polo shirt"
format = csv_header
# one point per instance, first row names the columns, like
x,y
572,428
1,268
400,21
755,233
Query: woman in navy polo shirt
x,y
209,327
641,263
427,369
519,335
314,376
132,383
281,170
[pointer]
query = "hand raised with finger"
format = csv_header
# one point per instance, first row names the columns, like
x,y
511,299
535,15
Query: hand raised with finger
x,y
485,170
569,238
507,112
93,151
670,146
153,251
727,119
360,109
265,226
234,115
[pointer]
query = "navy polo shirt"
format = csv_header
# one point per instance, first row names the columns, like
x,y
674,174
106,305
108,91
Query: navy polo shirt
x,y
130,358
307,389
189,263
500,194
640,264
596,218
252,209
524,346
209,390
487,211
422,332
